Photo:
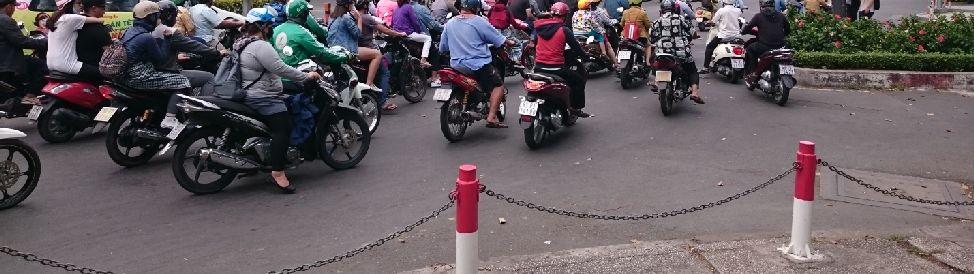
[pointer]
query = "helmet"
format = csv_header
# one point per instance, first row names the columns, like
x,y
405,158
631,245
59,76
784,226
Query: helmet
x,y
472,4
298,9
144,9
260,15
559,9
635,2
583,4
667,5
167,12
767,3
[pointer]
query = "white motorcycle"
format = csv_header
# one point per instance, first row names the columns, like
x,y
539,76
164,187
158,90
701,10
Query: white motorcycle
x,y
20,168
728,57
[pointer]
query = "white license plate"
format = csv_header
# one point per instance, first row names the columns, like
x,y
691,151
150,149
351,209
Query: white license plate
x,y
787,69
105,114
663,76
442,94
528,108
176,130
625,55
35,112
699,19
737,63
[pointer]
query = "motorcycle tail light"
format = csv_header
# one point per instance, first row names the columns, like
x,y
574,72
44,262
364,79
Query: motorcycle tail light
x,y
106,91
738,51
532,85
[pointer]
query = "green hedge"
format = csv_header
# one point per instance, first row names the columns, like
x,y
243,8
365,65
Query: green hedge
x,y
236,5
934,62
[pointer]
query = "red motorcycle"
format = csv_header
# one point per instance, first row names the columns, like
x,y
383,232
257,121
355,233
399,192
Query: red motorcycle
x,y
463,103
545,109
69,105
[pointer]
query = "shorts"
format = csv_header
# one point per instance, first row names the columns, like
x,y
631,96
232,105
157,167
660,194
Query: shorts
x,y
488,78
598,36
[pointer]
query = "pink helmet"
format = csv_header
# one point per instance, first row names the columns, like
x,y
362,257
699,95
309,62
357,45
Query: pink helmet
x,y
559,9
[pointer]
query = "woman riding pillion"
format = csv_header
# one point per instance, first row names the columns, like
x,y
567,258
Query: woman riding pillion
x,y
345,30
589,21
260,64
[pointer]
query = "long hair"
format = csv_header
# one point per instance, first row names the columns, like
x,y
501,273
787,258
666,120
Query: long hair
x,y
66,9
339,11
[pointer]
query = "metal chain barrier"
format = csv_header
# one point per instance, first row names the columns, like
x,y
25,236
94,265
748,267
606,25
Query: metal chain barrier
x,y
370,246
890,192
48,262
658,215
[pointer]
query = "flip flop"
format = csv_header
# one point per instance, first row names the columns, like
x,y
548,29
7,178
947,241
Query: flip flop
x,y
390,107
496,125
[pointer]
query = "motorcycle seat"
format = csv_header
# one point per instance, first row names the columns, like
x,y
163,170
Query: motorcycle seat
x,y
62,77
546,77
230,105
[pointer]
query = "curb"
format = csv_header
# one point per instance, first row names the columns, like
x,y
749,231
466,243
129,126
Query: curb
x,y
885,79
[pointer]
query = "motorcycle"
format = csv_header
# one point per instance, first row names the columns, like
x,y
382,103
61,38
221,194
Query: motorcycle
x,y
463,103
704,14
728,57
593,61
670,74
134,134
407,75
632,60
68,106
775,72
223,138
13,170
545,108
361,96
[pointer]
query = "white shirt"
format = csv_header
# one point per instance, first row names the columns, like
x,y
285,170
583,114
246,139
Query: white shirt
x,y
61,53
205,19
727,24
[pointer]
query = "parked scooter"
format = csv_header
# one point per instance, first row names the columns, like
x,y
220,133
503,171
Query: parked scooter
x,y
68,106
19,171
669,81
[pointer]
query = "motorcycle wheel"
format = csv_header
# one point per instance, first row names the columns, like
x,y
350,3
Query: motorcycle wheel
x,y
414,86
53,130
369,105
187,152
535,134
452,123
735,77
666,99
26,168
625,76
121,136
781,97
344,142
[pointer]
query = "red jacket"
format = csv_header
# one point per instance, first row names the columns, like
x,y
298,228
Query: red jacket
x,y
501,18
551,41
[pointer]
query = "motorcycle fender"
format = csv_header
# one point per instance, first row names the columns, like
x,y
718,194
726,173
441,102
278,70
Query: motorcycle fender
x,y
525,121
788,81
9,133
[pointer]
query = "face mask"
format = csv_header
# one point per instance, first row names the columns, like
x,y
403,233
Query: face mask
x,y
42,23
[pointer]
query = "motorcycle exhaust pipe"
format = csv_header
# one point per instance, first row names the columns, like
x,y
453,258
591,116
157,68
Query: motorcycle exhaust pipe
x,y
228,160
70,117
150,134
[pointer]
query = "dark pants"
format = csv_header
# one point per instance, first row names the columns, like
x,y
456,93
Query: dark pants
x,y
574,80
29,81
754,51
708,55
692,75
90,73
852,10
280,124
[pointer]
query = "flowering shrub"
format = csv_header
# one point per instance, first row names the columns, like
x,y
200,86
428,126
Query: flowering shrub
x,y
822,32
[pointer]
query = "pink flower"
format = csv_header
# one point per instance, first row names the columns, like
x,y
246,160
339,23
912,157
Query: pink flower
x,y
941,38
801,23
920,48
921,32
911,38
837,44
837,17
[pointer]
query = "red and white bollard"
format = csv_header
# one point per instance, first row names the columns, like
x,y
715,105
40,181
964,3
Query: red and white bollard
x,y
801,222
468,194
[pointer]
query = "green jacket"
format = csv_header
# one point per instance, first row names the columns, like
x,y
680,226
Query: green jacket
x,y
295,43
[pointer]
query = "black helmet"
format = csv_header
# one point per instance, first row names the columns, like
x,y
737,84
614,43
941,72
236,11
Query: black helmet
x,y
667,5
767,3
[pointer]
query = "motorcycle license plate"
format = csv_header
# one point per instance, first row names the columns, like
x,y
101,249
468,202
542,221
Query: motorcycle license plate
x,y
176,130
663,76
528,108
699,19
105,114
737,63
442,94
625,55
34,113
787,69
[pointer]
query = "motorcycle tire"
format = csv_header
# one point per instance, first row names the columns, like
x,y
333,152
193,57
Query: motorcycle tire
x,y
781,97
666,99
192,182
452,123
734,77
625,75
371,110
348,125
414,85
535,134
115,135
52,130
15,171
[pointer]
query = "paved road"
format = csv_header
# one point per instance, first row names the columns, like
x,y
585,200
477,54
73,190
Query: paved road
x,y
627,160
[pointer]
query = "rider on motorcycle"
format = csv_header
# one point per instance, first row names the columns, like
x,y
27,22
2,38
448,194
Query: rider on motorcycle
x,y
406,21
62,55
772,28
15,68
550,44
206,19
295,43
179,43
635,15
345,31
671,35
260,64
590,20
728,24
466,37
92,38
371,24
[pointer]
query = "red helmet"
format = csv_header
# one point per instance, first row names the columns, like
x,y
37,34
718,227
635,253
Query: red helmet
x,y
559,9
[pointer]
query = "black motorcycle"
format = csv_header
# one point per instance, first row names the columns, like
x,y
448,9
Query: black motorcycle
x,y
223,138
632,60
670,82
408,77
134,135
594,60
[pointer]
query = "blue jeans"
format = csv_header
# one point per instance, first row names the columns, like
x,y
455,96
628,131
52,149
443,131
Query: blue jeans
x,y
383,74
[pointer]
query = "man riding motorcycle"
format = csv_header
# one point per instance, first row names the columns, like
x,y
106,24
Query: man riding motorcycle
x,y
636,16
728,24
179,43
206,19
295,43
466,37
671,34
550,44
772,28
15,68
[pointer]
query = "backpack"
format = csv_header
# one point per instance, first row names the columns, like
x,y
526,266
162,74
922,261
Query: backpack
x,y
631,31
227,82
114,60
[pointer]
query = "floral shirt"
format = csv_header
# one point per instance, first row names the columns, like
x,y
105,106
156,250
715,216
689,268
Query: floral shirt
x,y
586,21
671,34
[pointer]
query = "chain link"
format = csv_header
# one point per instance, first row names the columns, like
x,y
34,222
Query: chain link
x,y
370,246
48,262
658,215
890,192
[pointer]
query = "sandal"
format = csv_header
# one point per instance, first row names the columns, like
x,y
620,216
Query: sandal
x,y
390,107
697,99
496,125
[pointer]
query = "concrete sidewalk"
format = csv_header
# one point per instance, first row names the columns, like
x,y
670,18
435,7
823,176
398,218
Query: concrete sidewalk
x,y
942,249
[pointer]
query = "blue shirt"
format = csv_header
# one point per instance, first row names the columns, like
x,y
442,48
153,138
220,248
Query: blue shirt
x,y
612,7
344,32
426,18
467,40
205,18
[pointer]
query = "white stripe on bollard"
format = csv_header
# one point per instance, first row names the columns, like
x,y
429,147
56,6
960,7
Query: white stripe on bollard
x,y
467,253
